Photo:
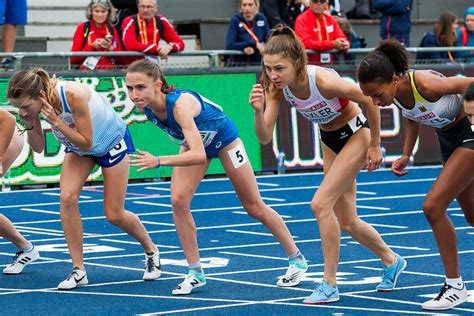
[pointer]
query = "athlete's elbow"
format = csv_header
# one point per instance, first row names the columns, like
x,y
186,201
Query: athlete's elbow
x,y
264,140
86,147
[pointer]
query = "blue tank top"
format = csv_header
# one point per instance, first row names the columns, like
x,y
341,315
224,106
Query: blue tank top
x,y
209,122
108,129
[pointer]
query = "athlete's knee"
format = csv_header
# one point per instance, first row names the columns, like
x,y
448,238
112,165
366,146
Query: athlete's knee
x,y
432,210
320,210
68,200
255,208
348,226
180,203
115,218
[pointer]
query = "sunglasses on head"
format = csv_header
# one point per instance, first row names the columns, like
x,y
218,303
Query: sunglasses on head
x,y
102,2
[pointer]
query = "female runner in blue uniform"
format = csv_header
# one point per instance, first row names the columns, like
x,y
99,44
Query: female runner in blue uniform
x,y
206,133
427,97
93,134
324,98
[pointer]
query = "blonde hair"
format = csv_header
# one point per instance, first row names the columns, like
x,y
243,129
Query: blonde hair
x,y
283,41
30,83
152,70
257,3
105,4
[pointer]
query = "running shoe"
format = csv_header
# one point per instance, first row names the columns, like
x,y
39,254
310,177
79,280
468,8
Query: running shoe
x,y
191,281
447,298
21,260
390,275
323,294
294,274
75,279
152,266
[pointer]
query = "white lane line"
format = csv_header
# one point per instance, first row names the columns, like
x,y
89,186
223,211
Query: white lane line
x,y
388,226
252,255
248,233
38,211
268,184
151,203
58,194
245,213
366,192
135,243
158,189
273,199
404,272
398,247
374,207
157,223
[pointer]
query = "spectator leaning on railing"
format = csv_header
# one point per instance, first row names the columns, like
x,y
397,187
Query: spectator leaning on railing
x,y
142,32
97,34
443,35
466,34
248,31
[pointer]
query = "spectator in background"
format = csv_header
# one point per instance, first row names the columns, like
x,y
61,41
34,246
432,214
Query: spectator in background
x,y
465,34
124,8
97,34
12,13
354,40
443,35
248,32
143,31
283,11
319,31
395,22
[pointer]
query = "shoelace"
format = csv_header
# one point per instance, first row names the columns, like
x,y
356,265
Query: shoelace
x,y
150,264
17,255
74,271
444,289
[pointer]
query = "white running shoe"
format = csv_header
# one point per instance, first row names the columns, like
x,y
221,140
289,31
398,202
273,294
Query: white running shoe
x,y
21,260
447,298
294,274
75,279
152,266
191,281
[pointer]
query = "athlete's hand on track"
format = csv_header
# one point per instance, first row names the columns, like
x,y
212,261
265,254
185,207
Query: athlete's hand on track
x,y
399,165
144,159
257,97
374,158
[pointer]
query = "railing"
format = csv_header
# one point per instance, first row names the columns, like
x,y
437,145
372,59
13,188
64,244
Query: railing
x,y
214,56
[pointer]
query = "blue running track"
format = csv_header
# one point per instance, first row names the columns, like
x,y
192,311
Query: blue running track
x,y
241,259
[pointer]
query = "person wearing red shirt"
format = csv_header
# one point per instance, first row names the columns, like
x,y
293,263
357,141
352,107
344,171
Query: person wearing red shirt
x,y
142,32
319,31
97,34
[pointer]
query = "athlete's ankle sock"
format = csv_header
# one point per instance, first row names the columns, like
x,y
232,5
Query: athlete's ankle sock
x,y
196,267
28,247
297,257
456,282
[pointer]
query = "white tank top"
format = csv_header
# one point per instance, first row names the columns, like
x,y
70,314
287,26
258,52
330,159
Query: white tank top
x,y
316,108
108,128
436,114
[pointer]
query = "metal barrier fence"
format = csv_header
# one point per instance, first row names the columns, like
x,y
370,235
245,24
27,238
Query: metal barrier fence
x,y
207,58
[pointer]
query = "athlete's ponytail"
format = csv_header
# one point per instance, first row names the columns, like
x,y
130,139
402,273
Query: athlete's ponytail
x,y
152,70
283,41
388,59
